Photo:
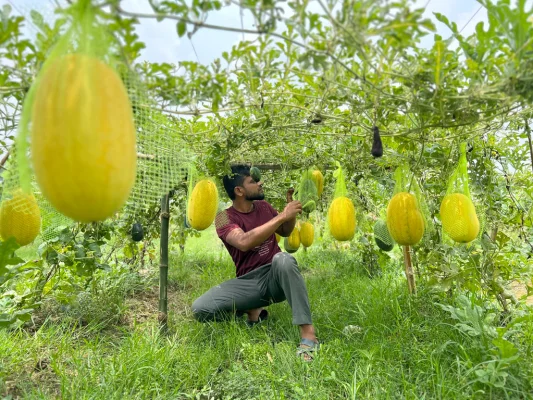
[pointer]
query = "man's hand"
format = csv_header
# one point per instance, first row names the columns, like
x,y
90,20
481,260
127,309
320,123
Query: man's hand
x,y
291,210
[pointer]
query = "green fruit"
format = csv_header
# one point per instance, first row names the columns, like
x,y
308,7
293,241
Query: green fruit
x,y
255,173
384,246
382,236
287,246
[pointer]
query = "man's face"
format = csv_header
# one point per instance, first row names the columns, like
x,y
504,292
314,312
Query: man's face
x,y
252,190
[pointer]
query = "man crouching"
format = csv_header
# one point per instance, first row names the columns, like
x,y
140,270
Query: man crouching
x,y
265,274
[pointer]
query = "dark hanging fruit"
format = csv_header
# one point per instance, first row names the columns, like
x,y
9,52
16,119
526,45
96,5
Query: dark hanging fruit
x,y
377,146
384,246
137,233
382,236
255,173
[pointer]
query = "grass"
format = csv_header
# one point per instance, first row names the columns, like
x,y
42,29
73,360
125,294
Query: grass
x,y
404,347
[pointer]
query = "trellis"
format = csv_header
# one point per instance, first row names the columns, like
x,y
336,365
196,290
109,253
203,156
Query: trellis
x,y
334,110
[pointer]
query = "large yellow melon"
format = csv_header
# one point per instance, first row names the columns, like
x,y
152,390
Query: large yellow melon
x,y
459,218
202,205
307,234
83,138
278,238
318,178
341,219
404,219
20,218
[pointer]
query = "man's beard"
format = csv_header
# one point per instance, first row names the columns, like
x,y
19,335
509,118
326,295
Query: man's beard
x,y
256,196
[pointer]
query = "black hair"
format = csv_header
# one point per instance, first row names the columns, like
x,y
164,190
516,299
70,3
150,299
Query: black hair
x,y
238,173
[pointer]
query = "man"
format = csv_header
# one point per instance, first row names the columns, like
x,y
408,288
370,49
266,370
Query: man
x,y
265,275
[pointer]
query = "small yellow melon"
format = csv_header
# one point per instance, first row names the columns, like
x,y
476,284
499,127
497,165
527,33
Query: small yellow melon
x,y
20,218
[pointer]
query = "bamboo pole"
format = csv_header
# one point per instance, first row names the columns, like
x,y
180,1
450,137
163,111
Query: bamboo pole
x,y
528,131
4,159
411,284
163,264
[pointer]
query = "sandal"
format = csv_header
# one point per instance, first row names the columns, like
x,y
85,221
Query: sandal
x,y
307,349
263,316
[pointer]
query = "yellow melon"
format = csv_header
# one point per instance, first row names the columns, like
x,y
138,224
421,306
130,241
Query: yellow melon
x,y
404,219
459,218
20,218
293,241
278,238
341,219
318,178
83,138
202,205
307,234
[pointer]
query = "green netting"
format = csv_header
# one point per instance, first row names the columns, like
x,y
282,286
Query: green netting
x,y
307,191
382,236
458,181
340,183
192,180
162,156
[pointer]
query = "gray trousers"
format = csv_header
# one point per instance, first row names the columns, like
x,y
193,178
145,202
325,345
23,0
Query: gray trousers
x,y
270,283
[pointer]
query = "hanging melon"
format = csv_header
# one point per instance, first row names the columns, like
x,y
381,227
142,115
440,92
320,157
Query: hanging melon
x,y
292,243
318,178
404,219
137,232
307,234
288,247
382,236
202,205
294,238
83,142
20,218
341,218
255,173
459,218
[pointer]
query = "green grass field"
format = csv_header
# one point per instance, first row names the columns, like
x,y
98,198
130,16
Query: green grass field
x,y
108,346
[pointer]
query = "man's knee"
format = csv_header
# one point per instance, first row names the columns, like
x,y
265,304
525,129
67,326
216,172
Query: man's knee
x,y
208,311
284,262
201,312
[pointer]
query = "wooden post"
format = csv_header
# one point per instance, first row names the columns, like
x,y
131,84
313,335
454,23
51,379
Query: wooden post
x,y
163,263
409,270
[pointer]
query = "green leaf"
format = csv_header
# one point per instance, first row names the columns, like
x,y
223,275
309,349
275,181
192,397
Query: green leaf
x,y
506,349
442,18
7,254
182,28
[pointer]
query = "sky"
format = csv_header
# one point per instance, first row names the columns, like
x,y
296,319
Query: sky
x,y
164,45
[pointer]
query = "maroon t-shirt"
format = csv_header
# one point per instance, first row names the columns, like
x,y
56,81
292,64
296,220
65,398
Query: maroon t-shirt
x,y
229,219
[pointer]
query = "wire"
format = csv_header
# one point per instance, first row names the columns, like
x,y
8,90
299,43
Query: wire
x,y
471,18
194,49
